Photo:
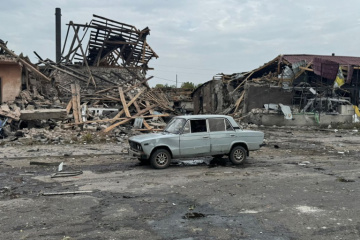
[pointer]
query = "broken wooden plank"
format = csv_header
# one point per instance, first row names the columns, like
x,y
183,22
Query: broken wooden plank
x,y
127,120
133,100
65,71
74,104
118,115
307,69
68,107
128,105
138,84
106,89
123,101
84,56
239,101
243,82
77,86
146,125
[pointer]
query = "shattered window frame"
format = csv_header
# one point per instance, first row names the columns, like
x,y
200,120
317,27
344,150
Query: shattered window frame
x,y
217,124
175,125
186,128
198,125
228,126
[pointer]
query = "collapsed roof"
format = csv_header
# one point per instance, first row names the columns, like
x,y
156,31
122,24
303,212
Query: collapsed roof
x,y
305,76
111,43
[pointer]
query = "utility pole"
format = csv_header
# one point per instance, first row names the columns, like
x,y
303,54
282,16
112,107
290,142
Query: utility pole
x,y
176,81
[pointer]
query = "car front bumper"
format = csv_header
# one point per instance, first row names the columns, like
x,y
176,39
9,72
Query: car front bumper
x,y
138,154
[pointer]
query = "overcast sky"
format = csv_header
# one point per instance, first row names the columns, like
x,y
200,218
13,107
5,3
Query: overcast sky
x,y
197,39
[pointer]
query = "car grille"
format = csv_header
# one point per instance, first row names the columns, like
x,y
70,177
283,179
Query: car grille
x,y
135,146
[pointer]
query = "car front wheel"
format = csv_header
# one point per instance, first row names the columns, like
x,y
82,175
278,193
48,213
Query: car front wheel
x,y
160,159
237,155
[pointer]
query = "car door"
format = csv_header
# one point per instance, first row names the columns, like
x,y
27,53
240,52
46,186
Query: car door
x,y
221,135
195,140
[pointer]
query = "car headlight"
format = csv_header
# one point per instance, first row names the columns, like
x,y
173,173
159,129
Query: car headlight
x,y
138,147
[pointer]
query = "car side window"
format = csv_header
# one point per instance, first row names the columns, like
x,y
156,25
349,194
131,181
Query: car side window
x,y
216,124
198,125
186,128
229,127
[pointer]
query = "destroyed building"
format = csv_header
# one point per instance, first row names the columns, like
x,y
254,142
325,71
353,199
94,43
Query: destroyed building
x,y
292,90
99,79
212,97
179,98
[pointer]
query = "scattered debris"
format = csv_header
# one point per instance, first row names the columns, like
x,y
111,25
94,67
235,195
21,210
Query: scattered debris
x,y
65,193
341,179
44,163
192,215
66,174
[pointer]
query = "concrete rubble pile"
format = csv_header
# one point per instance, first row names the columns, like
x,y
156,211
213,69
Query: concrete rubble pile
x,y
101,88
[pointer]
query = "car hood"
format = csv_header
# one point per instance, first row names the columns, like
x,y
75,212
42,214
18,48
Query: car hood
x,y
150,136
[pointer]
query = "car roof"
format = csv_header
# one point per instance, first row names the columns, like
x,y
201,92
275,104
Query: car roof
x,y
231,119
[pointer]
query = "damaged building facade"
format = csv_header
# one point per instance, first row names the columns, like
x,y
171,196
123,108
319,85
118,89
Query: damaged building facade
x,y
212,97
292,90
10,77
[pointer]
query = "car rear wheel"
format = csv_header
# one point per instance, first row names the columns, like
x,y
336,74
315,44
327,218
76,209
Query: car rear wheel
x,y
237,155
160,159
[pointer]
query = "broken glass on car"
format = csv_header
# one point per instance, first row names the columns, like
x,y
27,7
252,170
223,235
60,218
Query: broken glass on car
x,y
175,125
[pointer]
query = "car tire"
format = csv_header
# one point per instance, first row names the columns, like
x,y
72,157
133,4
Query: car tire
x,y
160,159
238,155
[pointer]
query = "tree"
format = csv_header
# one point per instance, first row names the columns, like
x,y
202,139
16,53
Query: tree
x,y
159,85
188,85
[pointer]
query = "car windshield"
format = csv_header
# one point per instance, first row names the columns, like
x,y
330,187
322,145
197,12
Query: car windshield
x,y
175,125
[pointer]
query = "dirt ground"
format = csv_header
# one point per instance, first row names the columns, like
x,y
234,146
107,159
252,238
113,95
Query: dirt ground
x,y
304,184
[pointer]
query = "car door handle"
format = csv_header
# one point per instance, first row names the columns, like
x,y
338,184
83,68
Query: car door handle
x,y
232,135
205,137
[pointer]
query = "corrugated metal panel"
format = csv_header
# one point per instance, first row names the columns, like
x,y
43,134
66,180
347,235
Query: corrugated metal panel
x,y
342,60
